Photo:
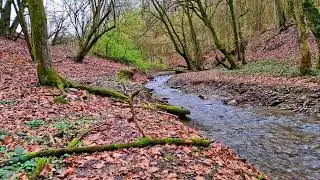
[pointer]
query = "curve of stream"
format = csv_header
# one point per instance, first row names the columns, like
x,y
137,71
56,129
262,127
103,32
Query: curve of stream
x,y
284,147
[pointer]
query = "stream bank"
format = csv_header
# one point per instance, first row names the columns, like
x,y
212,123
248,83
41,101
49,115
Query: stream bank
x,y
284,146
297,95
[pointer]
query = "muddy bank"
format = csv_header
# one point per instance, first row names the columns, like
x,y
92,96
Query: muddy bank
x,y
293,94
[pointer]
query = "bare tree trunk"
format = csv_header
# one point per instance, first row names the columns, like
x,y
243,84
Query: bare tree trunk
x,y
207,21
196,45
180,47
5,18
280,15
46,73
235,28
305,63
242,45
19,9
13,28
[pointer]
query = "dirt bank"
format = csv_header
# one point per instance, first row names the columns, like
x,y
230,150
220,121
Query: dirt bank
x,y
294,94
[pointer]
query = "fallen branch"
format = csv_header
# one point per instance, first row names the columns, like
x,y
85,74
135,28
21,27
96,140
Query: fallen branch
x,y
180,112
163,108
134,113
96,90
92,149
40,165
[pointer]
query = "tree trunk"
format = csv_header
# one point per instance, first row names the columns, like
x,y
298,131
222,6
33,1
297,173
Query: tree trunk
x,y
13,28
196,45
5,19
204,17
305,63
242,45
313,17
46,73
280,23
235,28
81,55
19,9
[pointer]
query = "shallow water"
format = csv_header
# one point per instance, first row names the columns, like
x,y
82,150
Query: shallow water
x,y
284,147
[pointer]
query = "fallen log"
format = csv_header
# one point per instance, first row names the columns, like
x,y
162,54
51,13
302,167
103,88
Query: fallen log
x,y
180,112
97,90
144,142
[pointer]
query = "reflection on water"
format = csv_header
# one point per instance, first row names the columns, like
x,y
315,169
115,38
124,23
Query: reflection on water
x,y
285,147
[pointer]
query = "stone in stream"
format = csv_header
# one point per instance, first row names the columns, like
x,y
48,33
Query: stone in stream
x,y
276,102
202,97
232,102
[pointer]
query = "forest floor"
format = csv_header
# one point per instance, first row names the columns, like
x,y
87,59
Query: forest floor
x,y
31,120
270,79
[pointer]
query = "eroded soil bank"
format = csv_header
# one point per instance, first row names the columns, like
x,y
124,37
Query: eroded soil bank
x,y
300,95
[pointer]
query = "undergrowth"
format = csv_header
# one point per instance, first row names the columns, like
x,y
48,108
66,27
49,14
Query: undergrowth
x,y
271,67
268,67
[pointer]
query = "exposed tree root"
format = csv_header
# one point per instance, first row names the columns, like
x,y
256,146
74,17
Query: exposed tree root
x,y
92,149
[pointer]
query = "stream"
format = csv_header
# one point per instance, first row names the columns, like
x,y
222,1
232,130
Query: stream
x,y
282,146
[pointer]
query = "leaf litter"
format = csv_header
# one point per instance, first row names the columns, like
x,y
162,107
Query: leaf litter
x,y
34,103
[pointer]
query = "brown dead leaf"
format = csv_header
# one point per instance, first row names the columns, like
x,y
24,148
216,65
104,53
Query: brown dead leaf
x,y
46,170
7,140
23,176
67,172
99,165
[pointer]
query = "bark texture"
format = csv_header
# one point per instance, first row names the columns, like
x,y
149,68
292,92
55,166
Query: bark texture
x,y
305,63
46,73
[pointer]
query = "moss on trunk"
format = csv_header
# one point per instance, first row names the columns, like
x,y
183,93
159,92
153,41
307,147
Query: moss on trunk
x,y
305,63
313,17
46,73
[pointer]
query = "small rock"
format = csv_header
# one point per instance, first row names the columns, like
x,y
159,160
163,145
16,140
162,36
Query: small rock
x,y
164,100
21,134
276,102
232,102
73,90
202,97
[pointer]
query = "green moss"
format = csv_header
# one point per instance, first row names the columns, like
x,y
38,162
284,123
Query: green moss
x,y
40,165
313,16
181,112
96,90
125,75
49,77
261,177
74,143
60,99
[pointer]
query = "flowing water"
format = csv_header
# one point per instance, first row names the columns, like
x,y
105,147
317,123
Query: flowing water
x,y
282,146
